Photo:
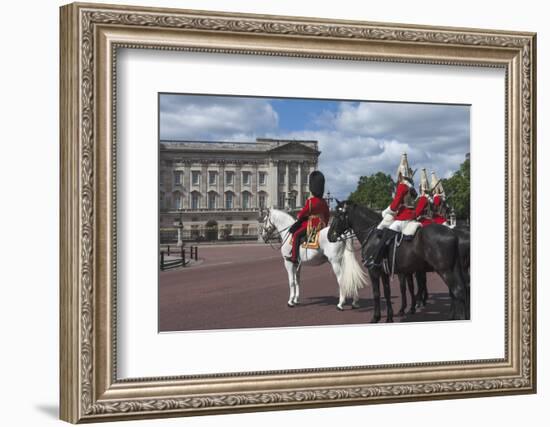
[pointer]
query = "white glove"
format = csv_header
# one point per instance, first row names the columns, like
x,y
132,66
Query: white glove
x,y
388,211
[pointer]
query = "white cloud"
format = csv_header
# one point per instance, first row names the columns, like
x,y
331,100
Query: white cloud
x,y
216,118
357,139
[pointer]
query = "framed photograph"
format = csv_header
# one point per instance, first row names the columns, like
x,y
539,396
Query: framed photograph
x,y
267,212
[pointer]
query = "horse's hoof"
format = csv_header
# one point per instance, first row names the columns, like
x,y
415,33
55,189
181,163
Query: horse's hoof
x,y
355,306
290,304
401,313
411,311
389,320
339,308
375,319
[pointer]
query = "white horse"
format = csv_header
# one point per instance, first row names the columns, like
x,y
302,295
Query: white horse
x,y
340,255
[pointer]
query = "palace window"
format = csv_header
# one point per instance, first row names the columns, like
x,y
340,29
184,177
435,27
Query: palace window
x,y
212,177
245,229
293,177
211,200
304,178
262,178
228,200
246,200
281,177
178,177
195,197
162,175
161,200
261,200
246,178
292,201
281,200
229,177
195,177
178,200
305,196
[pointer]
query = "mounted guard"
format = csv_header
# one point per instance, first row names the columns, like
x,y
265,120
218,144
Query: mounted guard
x,y
313,217
439,215
423,210
399,213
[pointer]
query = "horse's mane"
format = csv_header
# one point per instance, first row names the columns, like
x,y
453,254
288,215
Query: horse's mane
x,y
281,215
368,214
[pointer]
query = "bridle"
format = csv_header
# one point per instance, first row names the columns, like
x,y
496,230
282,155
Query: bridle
x,y
269,232
348,233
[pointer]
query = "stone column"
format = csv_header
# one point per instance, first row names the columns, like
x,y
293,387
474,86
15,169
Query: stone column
x,y
287,182
299,182
254,187
221,186
203,202
273,184
238,186
186,185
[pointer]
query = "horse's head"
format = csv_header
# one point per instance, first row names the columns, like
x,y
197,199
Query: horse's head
x,y
267,228
340,221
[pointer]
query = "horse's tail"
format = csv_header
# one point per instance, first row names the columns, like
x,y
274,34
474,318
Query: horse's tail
x,y
353,276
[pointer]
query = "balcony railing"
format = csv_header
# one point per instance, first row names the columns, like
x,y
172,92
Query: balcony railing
x,y
198,210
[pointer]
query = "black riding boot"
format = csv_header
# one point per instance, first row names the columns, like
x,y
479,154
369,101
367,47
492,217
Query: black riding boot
x,y
375,260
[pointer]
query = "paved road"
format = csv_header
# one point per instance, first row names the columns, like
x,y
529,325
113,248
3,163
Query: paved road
x,y
243,286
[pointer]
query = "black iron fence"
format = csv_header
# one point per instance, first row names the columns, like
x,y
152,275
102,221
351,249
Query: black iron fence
x,y
180,258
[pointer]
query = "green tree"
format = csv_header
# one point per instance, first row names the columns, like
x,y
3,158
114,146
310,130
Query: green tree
x,y
374,191
457,190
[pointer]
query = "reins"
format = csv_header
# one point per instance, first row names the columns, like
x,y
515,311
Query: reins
x,y
269,238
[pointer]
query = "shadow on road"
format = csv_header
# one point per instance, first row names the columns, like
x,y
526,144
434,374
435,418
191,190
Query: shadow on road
x,y
364,304
437,304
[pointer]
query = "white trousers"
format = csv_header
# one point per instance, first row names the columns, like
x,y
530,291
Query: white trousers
x,y
389,222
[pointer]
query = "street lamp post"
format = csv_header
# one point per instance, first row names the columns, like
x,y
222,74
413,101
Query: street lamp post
x,y
329,199
288,198
179,226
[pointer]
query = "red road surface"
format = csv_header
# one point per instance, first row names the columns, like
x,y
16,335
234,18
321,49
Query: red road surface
x,y
246,286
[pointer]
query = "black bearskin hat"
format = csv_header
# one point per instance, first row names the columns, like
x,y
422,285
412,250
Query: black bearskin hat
x,y
317,183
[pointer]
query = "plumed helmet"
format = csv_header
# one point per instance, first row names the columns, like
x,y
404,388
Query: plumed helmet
x,y
424,185
317,183
437,187
403,170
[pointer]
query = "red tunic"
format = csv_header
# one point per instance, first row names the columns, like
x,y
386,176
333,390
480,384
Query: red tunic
x,y
438,219
404,213
420,211
315,209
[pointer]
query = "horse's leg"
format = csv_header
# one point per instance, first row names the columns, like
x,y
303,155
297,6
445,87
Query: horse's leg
x,y
375,280
403,289
290,268
457,290
410,284
387,296
422,294
297,285
355,302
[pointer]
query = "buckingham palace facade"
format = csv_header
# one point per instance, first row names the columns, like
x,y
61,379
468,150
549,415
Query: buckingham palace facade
x,y
215,190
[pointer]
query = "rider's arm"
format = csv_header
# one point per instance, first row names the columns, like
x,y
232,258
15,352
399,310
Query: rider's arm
x,y
304,213
420,206
399,195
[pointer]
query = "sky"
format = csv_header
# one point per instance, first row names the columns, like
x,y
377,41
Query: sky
x,y
355,137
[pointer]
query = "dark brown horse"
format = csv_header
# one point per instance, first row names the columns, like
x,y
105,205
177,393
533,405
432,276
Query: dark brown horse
x,y
433,248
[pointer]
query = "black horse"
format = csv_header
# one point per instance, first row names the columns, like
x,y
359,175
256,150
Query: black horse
x,y
434,248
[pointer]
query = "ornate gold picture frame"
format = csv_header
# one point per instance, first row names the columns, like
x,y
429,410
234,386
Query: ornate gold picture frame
x,y
91,34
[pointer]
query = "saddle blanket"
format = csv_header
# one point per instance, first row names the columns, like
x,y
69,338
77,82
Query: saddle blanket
x,y
411,228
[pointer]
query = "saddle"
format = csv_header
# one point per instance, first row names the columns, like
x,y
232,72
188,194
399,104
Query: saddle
x,y
310,240
312,233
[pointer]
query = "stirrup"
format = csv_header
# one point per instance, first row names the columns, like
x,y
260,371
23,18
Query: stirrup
x,y
370,263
